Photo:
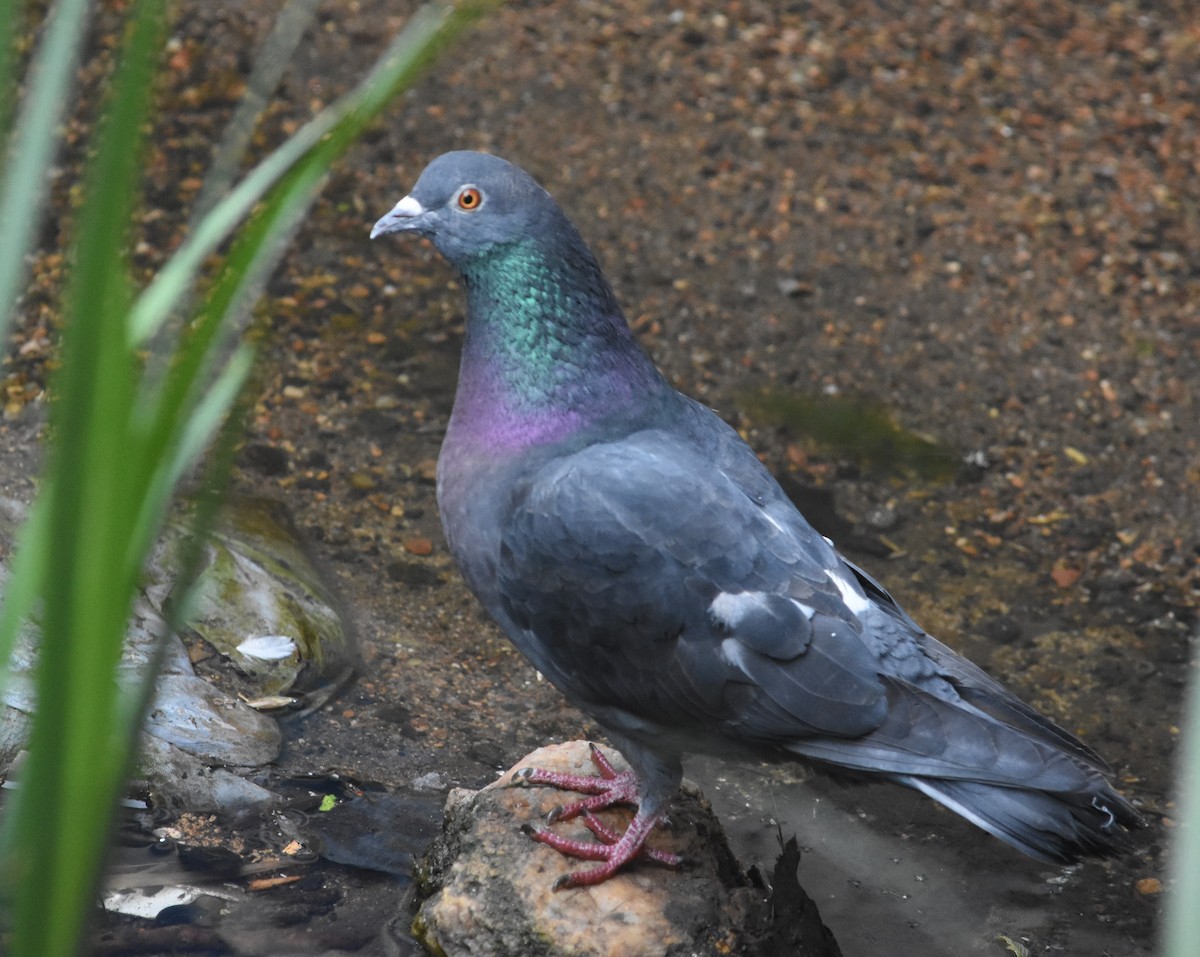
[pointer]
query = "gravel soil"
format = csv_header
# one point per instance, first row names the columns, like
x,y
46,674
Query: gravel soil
x,y
982,218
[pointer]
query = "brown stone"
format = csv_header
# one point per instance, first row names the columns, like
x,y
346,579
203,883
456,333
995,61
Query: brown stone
x,y
487,888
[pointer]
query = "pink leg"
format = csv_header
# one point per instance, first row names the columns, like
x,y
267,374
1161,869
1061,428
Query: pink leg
x,y
614,850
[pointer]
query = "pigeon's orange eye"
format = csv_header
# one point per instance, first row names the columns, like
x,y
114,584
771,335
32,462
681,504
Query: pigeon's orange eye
x,y
470,199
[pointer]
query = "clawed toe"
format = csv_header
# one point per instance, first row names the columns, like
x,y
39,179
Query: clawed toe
x,y
612,849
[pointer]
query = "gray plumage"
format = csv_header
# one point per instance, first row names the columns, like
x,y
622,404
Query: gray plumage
x,y
637,552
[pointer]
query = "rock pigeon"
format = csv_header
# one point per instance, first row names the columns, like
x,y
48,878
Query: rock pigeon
x,y
642,558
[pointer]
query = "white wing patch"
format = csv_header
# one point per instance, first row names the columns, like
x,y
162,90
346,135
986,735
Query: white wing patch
x,y
731,609
853,596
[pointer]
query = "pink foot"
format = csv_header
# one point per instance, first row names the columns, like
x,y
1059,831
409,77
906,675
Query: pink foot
x,y
607,788
614,850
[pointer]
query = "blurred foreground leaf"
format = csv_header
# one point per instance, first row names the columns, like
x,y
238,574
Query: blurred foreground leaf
x,y
125,431
1182,926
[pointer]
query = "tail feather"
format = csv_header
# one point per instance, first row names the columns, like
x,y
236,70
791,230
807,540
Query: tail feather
x,y
1057,828
981,690
1028,783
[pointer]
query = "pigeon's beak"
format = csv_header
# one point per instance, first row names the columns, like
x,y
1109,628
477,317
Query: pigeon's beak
x,y
405,215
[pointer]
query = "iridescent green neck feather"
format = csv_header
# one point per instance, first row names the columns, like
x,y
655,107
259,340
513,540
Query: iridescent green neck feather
x,y
547,350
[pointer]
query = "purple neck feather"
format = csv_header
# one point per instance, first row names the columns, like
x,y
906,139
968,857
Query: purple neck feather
x,y
547,350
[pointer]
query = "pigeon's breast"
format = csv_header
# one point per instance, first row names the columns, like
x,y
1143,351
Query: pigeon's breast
x,y
477,478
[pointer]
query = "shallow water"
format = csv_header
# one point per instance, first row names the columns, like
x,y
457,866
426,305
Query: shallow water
x,y
892,873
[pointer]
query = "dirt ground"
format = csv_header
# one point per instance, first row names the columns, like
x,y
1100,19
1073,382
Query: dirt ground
x,y
984,218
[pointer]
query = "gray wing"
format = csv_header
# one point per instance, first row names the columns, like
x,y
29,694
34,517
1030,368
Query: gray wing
x,y
664,599
646,584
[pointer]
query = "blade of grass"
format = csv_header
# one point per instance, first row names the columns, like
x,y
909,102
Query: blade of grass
x,y
168,438
77,754
178,605
271,61
30,152
194,436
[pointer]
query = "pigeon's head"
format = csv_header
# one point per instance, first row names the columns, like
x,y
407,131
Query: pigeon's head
x,y
468,203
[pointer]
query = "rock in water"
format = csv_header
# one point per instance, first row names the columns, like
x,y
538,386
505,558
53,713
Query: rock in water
x,y
637,552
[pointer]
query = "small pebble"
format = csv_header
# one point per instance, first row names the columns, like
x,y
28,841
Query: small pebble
x,y
882,518
429,782
1149,886
419,546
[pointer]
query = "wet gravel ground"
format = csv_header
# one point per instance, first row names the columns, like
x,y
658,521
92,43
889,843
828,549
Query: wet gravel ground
x,y
984,217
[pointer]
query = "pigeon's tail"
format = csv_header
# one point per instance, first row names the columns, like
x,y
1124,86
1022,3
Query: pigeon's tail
x,y
1057,828
1028,782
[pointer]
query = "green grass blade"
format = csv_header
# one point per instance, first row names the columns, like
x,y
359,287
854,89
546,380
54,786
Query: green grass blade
x,y
207,502
167,436
34,139
195,432
208,416
77,753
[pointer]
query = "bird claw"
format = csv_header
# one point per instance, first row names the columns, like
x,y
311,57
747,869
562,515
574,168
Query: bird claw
x,y
520,778
613,849
563,883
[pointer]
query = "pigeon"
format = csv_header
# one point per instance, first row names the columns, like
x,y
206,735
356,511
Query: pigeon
x,y
640,556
